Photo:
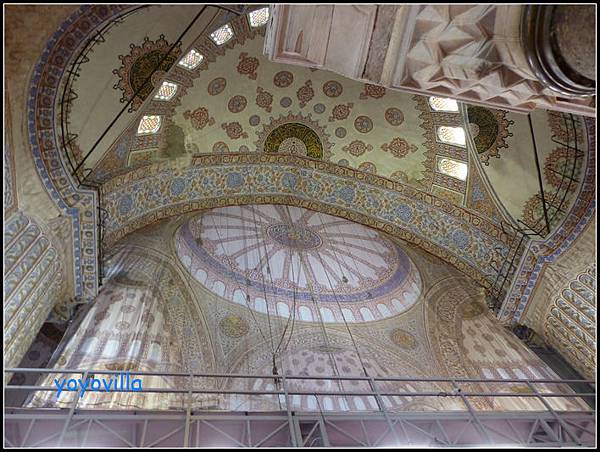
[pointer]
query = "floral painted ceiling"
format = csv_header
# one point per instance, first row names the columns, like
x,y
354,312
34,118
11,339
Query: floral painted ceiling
x,y
237,101
221,95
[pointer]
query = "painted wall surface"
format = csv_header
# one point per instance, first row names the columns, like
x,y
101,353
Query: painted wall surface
x,y
41,235
563,307
34,281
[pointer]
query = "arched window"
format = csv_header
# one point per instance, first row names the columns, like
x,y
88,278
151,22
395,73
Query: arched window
x,y
343,405
166,91
155,352
348,315
221,35
148,125
327,315
398,305
260,305
282,309
366,314
219,288
201,275
443,104
452,168
111,348
258,17
452,135
239,297
134,348
383,309
191,60
89,345
305,314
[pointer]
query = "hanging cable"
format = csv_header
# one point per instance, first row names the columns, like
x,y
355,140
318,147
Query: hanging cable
x,y
295,284
342,312
316,301
263,275
358,273
226,257
136,93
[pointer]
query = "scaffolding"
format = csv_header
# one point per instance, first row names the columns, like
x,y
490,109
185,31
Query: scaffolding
x,y
189,427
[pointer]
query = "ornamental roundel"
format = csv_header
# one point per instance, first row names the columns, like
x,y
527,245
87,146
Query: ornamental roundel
x,y
294,138
399,176
357,148
403,339
294,133
394,116
199,118
374,91
237,104
220,147
293,236
216,86
363,124
139,64
234,130
234,326
283,79
264,99
340,112
340,132
399,147
285,102
489,130
305,93
368,167
533,212
247,66
127,309
254,120
319,108
559,162
332,88
123,326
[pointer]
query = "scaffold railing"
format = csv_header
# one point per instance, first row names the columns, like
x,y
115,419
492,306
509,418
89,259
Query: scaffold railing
x,y
545,424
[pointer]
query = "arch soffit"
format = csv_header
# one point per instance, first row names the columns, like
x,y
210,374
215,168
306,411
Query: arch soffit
x,y
158,191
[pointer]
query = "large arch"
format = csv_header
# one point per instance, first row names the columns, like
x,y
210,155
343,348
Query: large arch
x,y
454,234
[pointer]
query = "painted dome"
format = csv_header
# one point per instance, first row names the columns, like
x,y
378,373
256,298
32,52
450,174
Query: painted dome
x,y
293,261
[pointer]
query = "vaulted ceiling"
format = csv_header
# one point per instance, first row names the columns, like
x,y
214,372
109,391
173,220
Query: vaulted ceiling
x,y
240,129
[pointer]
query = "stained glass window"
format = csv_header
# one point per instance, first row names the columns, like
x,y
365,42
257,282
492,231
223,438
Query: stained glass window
x,y
222,35
149,124
191,60
166,91
443,104
259,17
452,168
452,135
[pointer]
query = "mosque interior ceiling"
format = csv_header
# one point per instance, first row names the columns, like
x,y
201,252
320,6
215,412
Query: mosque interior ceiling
x,y
217,211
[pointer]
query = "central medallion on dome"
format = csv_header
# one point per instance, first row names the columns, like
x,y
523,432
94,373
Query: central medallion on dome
x,y
294,236
279,259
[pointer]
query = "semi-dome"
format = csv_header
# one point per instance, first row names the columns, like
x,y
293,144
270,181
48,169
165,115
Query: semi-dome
x,y
292,260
